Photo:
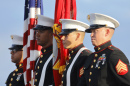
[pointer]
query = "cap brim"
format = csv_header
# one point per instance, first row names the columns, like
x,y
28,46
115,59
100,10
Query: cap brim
x,y
64,33
17,47
37,27
11,48
88,30
40,27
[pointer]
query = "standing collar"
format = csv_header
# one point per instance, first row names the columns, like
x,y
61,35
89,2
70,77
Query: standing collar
x,y
47,49
74,50
19,65
102,46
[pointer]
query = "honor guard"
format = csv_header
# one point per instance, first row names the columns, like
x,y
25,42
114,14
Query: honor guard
x,y
73,33
43,66
108,66
16,77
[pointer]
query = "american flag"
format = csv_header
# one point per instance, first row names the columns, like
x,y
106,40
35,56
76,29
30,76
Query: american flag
x,y
30,48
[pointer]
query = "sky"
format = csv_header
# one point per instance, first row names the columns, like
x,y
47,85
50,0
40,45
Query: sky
x,y
12,22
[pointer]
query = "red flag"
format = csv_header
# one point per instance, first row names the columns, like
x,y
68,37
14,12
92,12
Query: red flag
x,y
64,9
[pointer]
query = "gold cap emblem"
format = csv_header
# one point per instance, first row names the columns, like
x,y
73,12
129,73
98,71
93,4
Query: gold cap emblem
x,y
36,17
11,37
88,17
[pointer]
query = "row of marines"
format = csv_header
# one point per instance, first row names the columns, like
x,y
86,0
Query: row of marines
x,y
107,66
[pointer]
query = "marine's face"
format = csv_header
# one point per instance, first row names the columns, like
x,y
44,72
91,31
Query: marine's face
x,y
69,40
16,56
97,36
43,37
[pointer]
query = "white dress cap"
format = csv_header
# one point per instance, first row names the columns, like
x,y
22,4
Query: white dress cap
x,y
17,40
44,21
101,19
73,24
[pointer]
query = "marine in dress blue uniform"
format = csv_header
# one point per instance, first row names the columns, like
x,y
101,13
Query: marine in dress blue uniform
x,y
15,78
43,65
73,33
108,65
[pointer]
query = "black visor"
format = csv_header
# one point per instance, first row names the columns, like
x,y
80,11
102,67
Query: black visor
x,y
16,47
95,26
40,27
66,31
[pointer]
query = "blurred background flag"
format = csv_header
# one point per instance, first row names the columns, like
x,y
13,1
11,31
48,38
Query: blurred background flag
x,y
64,9
30,48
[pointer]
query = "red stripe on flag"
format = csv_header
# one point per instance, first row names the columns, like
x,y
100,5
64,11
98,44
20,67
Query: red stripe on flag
x,y
32,43
25,38
32,23
24,64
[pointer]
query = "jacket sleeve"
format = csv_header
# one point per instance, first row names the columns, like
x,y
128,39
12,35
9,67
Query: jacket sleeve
x,y
120,68
82,81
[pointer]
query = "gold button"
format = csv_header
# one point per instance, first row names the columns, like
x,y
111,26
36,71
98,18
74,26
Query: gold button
x,y
61,82
96,55
44,50
72,51
94,60
68,63
17,80
40,61
35,80
36,73
13,74
98,67
20,65
91,66
99,48
41,56
10,84
89,80
16,70
11,79
84,68
90,73
69,57
34,85
62,75
65,69
38,67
